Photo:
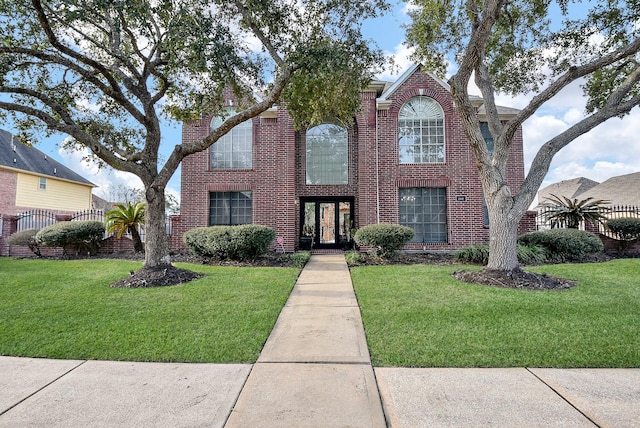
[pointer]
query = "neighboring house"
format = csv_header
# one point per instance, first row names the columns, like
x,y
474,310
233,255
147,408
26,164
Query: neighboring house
x,y
567,188
623,190
621,195
29,179
404,159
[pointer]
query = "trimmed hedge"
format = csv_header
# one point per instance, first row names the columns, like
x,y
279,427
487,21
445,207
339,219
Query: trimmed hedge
x,y
527,254
384,239
26,238
626,228
246,241
80,236
564,244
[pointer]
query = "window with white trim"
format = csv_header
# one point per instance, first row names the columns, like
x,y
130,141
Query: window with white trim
x,y
234,149
421,129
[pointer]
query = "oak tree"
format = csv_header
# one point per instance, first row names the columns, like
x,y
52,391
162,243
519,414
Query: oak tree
x,y
108,73
515,47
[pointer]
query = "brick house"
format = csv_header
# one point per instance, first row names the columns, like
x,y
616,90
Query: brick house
x,y
404,159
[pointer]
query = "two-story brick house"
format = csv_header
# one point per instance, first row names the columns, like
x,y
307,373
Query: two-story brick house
x,y
404,159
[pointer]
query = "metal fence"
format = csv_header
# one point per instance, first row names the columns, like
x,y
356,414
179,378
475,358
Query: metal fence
x,y
37,219
610,212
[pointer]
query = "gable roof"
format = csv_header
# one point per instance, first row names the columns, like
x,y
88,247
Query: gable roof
x,y
17,156
621,190
383,102
567,188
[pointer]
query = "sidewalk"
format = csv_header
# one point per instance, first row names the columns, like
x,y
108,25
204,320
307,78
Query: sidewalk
x,y
314,371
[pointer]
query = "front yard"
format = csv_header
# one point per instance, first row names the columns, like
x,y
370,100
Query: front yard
x,y
66,309
418,316
414,315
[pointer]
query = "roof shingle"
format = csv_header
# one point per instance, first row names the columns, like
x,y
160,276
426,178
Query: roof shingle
x,y
14,154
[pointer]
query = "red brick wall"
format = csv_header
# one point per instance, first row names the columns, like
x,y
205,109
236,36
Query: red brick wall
x,y
277,179
8,184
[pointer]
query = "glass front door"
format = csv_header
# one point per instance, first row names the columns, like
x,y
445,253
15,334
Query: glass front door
x,y
326,222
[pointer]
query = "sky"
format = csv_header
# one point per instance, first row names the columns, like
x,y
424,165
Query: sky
x,y
610,150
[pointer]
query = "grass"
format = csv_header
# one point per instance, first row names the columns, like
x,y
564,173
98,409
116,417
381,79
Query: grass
x,y
66,309
419,316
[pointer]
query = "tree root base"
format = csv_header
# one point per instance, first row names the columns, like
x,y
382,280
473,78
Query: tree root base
x,y
158,276
516,278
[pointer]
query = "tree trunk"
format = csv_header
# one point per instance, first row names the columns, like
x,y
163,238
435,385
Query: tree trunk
x,y
503,235
157,243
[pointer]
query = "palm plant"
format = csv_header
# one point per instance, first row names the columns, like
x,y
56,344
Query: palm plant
x,y
127,218
569,213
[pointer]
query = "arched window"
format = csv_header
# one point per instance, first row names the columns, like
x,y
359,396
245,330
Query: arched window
x,y
421,125
327,154
234,149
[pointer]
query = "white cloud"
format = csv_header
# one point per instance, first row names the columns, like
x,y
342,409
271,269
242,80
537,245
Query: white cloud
x,y
401,63
107,179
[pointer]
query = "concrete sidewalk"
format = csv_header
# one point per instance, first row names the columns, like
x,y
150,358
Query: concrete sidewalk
x,y
314,371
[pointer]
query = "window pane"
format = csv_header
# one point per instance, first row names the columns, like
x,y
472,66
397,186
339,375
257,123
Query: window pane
x,y
327,155
230,208
425,211
421,124
234,149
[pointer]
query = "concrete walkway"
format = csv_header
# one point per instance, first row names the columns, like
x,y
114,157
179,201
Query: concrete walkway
x,y
314,371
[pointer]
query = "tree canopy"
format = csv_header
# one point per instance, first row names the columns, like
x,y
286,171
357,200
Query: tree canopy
x,y
107,73
516,47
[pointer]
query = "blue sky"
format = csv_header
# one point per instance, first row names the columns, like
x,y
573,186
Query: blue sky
x,y
610,150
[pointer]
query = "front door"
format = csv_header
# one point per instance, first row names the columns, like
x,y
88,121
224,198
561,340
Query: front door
x,y
327,221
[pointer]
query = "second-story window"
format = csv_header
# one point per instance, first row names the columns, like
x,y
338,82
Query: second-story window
x,y
421,129
327,154
234,149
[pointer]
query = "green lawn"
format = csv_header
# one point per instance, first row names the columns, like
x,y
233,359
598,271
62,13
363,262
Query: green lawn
x,y
66,309
419,316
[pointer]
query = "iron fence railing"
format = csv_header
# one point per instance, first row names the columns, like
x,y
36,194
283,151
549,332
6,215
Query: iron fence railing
x,y
610,212
37,219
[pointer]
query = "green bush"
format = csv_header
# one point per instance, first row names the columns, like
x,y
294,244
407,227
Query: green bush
x,y
626,228
26,238
353,258
244,242
79,236
564,244
300,258
527,254
384,240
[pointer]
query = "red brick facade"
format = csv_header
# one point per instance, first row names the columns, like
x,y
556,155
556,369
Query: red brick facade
x,y
277,179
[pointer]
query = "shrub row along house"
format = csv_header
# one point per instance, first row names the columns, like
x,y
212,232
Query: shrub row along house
x,y
403,159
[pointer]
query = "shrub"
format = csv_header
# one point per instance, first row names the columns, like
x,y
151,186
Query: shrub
x,y
527,254
300,258
564,244
246,241
626,228
384,239
353,258
474,254
80,236
26,238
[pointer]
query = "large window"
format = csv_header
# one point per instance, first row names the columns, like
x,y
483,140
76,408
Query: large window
x,y
229,208
425,211
327,155
233,150
421,127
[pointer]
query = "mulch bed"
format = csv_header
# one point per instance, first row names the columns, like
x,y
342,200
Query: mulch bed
x,y
517,278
